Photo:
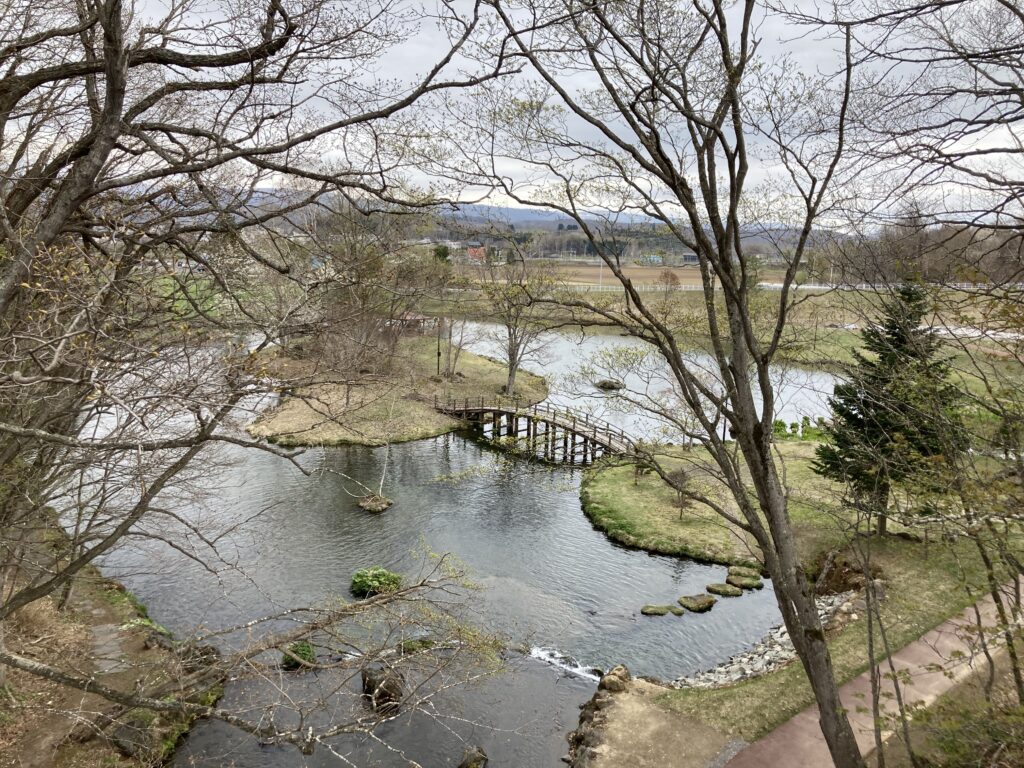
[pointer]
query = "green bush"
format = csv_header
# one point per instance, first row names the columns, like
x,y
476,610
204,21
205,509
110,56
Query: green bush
x,y
779,428
299,654
367,582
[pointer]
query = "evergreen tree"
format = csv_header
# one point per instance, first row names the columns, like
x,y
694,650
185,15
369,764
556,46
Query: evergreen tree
x,y
896,411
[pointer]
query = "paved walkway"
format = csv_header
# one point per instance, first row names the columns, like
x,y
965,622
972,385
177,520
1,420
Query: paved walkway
x,y
934,664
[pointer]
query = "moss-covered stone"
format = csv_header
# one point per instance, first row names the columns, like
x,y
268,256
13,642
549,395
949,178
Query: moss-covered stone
x,y
375,503
415,645
724,590
743,572
675,610
655,610
697,603
367,582
745,582
298,655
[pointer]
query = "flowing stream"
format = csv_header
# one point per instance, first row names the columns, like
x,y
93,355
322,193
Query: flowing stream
x,y
549,582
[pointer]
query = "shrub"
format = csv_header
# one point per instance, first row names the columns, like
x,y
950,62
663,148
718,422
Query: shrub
x,y
985,736
367,582
299,655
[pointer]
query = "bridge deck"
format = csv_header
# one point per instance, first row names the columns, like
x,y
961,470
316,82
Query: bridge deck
x,y
609,437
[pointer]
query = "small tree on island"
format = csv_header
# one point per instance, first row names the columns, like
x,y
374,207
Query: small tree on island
x,y
516,298
896,411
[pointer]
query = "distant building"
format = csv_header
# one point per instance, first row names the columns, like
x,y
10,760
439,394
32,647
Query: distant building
x,y
477,254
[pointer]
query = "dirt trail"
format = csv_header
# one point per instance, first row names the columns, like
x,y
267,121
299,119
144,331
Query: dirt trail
x,y
623,726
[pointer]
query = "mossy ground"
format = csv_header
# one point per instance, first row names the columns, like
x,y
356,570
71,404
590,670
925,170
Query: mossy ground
x,y
395,408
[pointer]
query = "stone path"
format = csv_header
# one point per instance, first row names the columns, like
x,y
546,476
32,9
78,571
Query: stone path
x,y
934,664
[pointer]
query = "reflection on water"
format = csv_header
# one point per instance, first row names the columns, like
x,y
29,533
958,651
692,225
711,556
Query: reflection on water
x,y
798,392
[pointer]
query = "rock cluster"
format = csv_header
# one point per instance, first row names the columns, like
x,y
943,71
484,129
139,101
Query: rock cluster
x,y
583,742
775,649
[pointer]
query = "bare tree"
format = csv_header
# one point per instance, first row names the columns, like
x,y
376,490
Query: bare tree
x,y
160,169
514,294
662,110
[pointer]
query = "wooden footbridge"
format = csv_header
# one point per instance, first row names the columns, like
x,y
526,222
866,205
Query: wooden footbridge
x,y
554,434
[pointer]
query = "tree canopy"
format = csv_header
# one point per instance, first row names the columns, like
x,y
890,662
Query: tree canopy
x,y
895,410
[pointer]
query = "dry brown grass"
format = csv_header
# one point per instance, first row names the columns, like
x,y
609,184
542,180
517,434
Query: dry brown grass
x,y
397,408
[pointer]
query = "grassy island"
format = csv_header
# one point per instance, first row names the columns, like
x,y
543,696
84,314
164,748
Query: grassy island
x,y
642,511
375,409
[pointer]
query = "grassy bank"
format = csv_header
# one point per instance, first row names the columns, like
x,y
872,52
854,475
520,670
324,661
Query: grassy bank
x,y
104,632
644,512
924,587
926,583
393,408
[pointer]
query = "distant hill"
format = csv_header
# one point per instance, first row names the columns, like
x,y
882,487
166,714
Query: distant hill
x,y
475,214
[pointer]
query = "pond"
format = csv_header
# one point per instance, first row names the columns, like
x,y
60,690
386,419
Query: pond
x,y
549,582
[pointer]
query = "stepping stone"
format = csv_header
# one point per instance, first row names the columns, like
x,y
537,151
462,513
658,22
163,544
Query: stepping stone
x,y
744,582
744,572
697,603
724,590
661,610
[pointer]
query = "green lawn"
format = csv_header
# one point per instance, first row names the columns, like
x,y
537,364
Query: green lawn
x,y
924,588
924,581
644,512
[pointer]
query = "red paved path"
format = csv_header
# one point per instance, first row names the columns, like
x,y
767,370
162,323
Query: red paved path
x,y
798,743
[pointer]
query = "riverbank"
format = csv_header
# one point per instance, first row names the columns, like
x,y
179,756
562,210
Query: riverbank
x,y
393,407
103,632
642,511
924,582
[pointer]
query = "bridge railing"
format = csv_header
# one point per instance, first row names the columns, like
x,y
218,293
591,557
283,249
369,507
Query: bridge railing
x,y
579,422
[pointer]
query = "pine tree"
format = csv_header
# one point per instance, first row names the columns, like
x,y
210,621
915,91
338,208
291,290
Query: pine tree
x,y
896,411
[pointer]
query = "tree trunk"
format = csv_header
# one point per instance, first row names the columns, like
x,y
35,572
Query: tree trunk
x,y
794,592
800,614
881,508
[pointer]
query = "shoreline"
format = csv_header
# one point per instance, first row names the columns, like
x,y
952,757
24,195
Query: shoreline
x,y
376,412
106,632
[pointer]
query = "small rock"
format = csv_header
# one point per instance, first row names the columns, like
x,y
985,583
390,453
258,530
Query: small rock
x,y
612,684
374,503
474,757
744,572
655,610
745,582
609,385
156,639
616,680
